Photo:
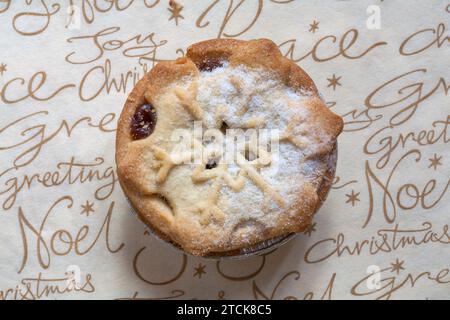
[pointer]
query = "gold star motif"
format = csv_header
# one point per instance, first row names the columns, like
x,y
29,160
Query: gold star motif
x,y
311,228
2,68
334,82
435,162
175,10
199,270
314,26
397,266
352,197
87,208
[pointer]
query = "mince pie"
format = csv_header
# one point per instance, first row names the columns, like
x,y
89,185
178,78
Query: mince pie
x,y
226,148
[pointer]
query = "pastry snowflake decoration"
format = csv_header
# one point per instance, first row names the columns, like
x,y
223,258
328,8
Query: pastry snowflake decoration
x,y
226,148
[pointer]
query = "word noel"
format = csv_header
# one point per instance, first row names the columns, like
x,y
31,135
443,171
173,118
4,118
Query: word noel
x,y
61,242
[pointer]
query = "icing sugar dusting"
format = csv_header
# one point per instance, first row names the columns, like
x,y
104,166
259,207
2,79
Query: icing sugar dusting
x,y
242,97
253,89
245,94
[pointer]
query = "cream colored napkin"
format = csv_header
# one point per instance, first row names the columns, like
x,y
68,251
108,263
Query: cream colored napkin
x,y
65,72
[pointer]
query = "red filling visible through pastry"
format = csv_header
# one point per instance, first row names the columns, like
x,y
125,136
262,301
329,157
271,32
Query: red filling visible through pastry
x,y
143,122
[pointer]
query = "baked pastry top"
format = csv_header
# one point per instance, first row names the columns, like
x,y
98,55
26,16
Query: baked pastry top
x,y
185,188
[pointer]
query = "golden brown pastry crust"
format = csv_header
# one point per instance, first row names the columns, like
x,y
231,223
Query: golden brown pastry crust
x,y
135,157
